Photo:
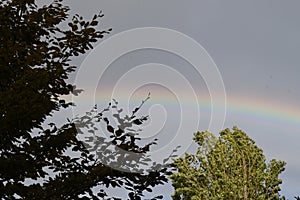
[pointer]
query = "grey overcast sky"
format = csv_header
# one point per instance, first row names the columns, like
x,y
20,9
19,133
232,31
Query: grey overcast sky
x,y
256,47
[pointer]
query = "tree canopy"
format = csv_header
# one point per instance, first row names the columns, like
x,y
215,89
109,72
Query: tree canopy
x,y
35,162
230,166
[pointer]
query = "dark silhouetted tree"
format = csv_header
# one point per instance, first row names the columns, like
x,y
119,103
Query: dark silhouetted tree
x,y
35,55
227,167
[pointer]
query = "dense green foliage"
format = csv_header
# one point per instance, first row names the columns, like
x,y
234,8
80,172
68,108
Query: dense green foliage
x,y
230,166
49,162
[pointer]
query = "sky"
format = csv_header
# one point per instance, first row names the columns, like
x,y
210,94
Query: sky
x,y
208,65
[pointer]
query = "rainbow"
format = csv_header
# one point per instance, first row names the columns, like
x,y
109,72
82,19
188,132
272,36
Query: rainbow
x,y
252,108
275,113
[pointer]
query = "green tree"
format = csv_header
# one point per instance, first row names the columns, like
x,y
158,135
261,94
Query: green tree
x,y
230,166
35,55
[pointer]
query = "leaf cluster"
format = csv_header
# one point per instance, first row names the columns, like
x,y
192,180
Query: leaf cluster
x,y
228,167
51,162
